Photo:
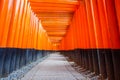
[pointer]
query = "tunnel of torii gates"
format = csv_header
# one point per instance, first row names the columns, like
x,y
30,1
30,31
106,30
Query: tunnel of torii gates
x,y
92,38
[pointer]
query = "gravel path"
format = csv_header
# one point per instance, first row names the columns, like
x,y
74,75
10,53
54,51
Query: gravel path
x,y
55,67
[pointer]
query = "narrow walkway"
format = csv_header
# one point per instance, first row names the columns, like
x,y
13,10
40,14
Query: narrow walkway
x,y
55,67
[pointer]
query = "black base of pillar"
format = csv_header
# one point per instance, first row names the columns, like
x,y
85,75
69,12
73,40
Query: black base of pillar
x,y
116,63
12,59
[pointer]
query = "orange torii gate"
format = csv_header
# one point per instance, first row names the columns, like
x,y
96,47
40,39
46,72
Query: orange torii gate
x,y
22,37
94,34
88,31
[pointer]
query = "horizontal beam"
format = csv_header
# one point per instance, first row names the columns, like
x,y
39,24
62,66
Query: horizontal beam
x,y
43,4
57,39
44,25
39,11
55,14
56,28
55,24
53,30
54,10
55,18
56,33
52,40
75,2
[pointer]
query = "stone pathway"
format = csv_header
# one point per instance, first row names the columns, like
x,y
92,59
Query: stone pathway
x,y
55,67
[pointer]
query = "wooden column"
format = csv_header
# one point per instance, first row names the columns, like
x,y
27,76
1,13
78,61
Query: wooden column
x,y
77,56
112,24
17,66
109,65
90,57
90,21
83,59
117,7
96,24
80,58
95,62
116,63
103,72
13,60
5,18
86,60
6,64
2,56
92,36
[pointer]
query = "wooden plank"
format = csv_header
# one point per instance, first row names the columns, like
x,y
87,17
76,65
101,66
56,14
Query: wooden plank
x,y
52,14
58,1
42,4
